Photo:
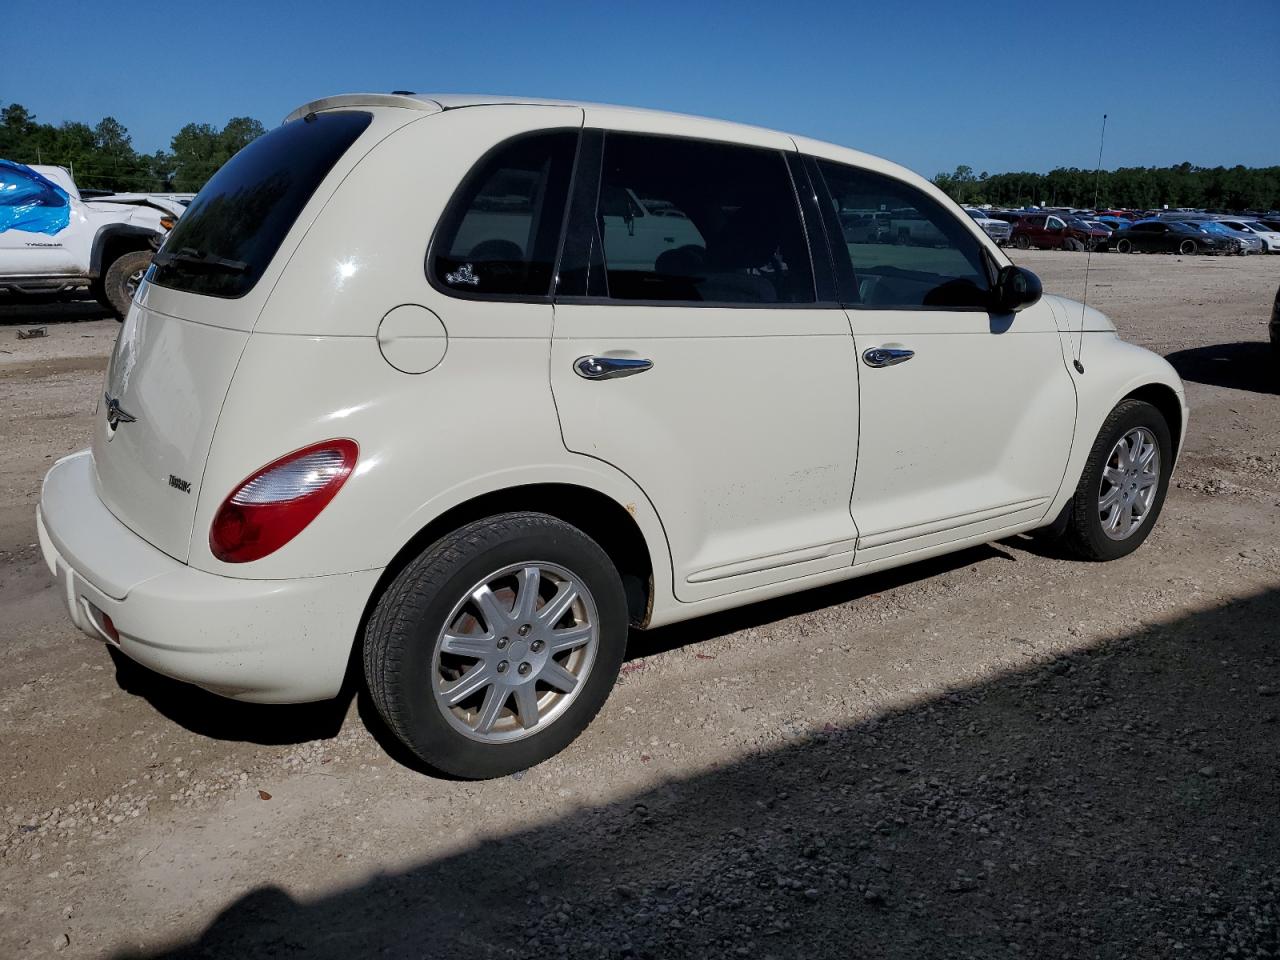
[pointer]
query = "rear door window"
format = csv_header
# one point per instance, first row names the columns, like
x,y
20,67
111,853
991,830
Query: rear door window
x,y
699,222
906,250
232,230
500,234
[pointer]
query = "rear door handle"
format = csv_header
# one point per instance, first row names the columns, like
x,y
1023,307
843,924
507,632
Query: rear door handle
x,y
609,368
886,356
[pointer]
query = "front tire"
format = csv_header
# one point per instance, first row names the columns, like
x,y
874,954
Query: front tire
x,y
1122,490
1188,248
121,280
1124,246
1022,242
494,648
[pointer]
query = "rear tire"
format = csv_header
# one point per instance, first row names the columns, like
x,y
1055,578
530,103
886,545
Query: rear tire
x,y
1107,472
121,280
426,634
1124,246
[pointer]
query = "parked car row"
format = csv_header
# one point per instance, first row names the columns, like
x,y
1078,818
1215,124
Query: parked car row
x,y
1172,236
1180,231
1256,235
1047,231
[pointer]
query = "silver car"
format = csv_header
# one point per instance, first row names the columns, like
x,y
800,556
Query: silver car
x,y
997,230
1256,236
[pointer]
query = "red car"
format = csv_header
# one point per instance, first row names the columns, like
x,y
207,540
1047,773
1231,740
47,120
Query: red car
x,y
1050,231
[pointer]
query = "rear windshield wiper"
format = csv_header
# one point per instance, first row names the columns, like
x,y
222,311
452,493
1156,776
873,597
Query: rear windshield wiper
x,y
188,256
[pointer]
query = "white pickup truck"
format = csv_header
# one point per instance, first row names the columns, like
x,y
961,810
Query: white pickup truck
x,y
52,241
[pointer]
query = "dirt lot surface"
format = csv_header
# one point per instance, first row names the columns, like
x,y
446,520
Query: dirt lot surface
x,y
998,754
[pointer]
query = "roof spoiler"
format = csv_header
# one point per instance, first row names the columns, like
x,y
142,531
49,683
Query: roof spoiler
x,y
366,100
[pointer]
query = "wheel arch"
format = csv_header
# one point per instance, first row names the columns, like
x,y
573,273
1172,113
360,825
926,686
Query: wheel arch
x,y
1118,371
1163,398
606,521
113,240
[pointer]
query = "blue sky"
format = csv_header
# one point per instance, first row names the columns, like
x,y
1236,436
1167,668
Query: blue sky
x,y
996,85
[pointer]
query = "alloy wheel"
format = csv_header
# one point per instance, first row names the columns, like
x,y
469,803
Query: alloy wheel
x,y
1129,483
515,652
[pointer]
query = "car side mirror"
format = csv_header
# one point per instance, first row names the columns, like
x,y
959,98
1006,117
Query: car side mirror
x,y
1015,289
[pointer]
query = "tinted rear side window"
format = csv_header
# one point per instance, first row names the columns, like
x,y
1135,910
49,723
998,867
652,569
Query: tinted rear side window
x,y
238,221
501,231
691,221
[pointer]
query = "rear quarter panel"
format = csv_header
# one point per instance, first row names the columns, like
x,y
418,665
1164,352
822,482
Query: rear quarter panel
x,y
482,420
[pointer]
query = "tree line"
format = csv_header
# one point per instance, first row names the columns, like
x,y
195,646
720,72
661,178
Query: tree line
x,y
1140,188
102,157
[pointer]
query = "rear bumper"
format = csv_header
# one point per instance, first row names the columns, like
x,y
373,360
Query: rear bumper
x,y
268,641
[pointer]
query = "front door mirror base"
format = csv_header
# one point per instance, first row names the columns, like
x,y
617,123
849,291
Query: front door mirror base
x,y
1016,288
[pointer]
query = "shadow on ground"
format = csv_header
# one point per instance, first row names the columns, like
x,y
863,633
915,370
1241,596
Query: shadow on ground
x,y
210,715
1240,366
1119,802
18,311
218,718
648,643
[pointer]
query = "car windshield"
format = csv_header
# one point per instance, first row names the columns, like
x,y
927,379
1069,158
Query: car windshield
x,y
1260,227
976,214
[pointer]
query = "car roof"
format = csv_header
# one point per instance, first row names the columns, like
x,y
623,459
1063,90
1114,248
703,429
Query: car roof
x,y
622,117
455,101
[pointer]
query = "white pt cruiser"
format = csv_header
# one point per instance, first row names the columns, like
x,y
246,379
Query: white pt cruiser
x,y
469,386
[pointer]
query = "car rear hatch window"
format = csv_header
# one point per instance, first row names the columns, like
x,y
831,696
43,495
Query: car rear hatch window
x,y
233,228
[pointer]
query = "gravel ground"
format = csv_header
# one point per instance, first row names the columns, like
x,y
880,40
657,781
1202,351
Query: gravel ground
x,y
1001,753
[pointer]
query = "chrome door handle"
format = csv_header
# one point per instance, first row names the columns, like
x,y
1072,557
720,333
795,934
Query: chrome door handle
x,y
609,368
886,356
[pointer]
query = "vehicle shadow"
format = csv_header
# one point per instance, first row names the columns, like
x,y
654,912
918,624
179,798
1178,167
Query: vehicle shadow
x,y
1116,802
648,643
1239,366
16,311
218,718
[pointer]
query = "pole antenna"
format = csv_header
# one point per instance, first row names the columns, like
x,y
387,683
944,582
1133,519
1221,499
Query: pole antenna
x,y
1084,300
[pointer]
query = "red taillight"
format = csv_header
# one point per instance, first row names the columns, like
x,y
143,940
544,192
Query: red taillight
x,y
274,505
